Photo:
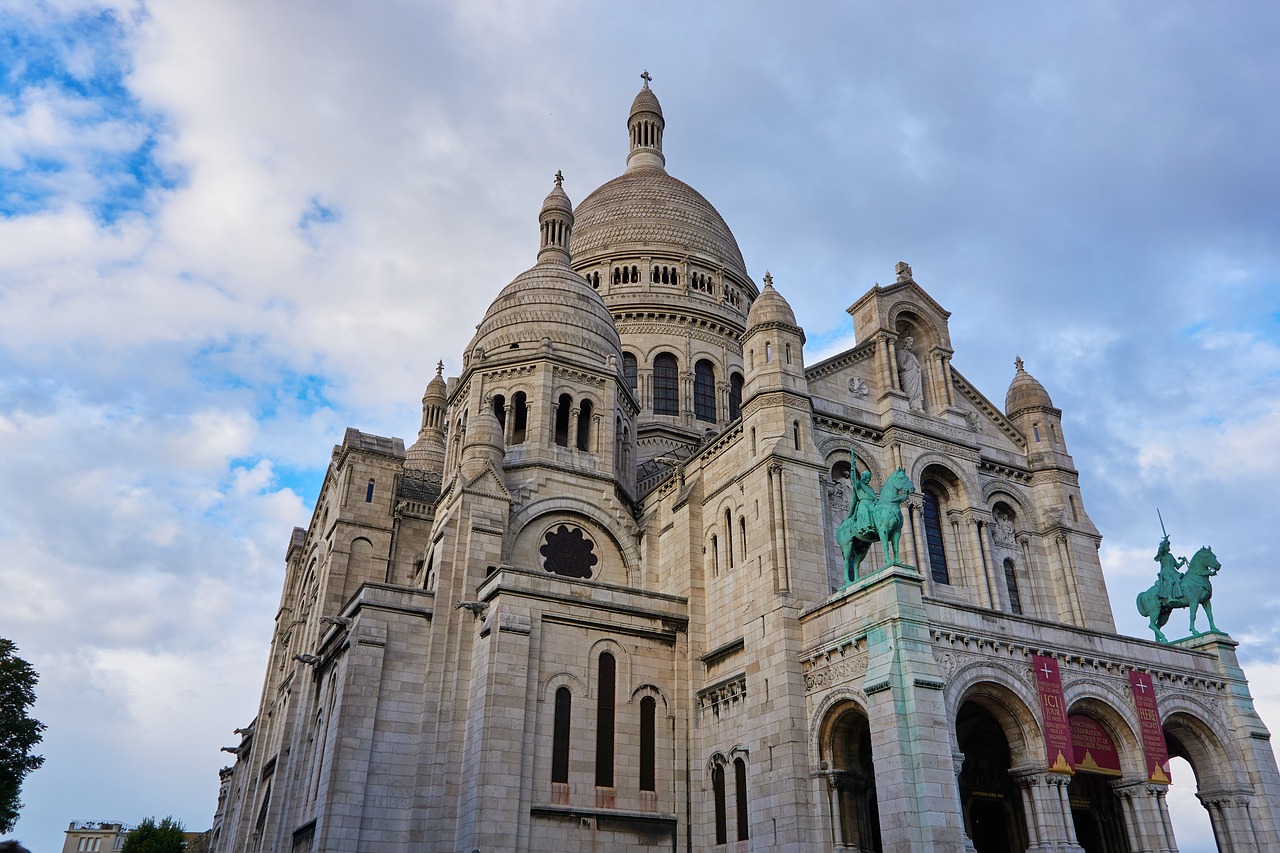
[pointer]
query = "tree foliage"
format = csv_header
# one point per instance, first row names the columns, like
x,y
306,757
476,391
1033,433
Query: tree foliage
x,y
19,733
167,836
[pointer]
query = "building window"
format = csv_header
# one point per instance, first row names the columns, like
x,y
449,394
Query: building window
x,y
735,396
368,494
520,417
1011,581
788,350
717,790
1035,428
560,736
728,536
933,537
604,723
563,405
795,433
666,385
704,391
715,555
630,371
768,352
740,790
584,425
742,538
500,410
648,752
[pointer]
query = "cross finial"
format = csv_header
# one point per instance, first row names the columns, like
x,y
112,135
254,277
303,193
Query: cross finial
x,y
440,368
768,279
1017,362
646,78
559,178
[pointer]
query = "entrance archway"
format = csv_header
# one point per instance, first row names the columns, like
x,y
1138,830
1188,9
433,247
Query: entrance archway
x,y
992,807
1096,810
853,781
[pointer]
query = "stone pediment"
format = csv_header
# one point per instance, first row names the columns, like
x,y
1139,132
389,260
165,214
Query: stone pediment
x,y
488,484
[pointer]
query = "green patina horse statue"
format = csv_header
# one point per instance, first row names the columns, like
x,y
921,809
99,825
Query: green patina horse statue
x,y
1196,593
871,520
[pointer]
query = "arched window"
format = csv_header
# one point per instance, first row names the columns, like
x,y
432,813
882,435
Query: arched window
x,y
563,405
666,385
740,791
768,352
560,736
728,536
735,395
500,410
795,433
717,790
742,537
630,371
604,722
715,555
788,351
704,391
635,274
584,425
520,418
932,512
648,751
1011,582
1075,513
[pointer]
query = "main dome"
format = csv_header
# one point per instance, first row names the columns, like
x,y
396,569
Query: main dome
x,y
646,209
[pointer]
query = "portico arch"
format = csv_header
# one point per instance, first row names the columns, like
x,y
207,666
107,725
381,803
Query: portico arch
x,y
845,753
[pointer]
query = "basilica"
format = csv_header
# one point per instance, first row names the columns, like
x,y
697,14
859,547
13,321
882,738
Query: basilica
x,y
647,579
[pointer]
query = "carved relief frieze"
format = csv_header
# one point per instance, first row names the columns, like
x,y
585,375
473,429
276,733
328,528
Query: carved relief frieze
x,y
838,663
846,428
1020,475
916,440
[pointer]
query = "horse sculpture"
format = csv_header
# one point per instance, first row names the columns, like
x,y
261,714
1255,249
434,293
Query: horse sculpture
x,y
872,520
1196,593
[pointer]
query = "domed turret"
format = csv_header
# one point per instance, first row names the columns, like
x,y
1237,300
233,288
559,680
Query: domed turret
x,y
1025,392
428,452
645,123
771,307
548,304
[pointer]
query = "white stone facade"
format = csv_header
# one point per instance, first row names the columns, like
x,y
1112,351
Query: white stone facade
x,y
597,605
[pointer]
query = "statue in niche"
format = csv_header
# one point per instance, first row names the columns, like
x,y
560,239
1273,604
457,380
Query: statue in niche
x,y
1002,536
910,376
1173,589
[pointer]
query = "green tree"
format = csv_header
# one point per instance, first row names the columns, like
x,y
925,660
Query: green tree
x,y
167,836
19,733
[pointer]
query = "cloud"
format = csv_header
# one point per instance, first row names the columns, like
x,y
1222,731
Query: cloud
x,y
229,230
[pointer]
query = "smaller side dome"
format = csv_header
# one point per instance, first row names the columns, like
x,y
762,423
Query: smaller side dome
x,y
771,307
1025,391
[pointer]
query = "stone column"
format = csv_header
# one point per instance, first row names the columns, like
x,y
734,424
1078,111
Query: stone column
x,y
1125,793
984,560
508,424
571,440
893,365
1059,812
957,764
946,377
1030,782
1162,837
910,509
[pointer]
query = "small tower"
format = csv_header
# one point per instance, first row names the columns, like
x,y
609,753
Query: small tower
x,y
1028,406
428,452
556,223
645,124
773,346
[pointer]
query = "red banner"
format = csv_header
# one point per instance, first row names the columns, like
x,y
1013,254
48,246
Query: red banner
x,y
1095,751
1053,711
1153,745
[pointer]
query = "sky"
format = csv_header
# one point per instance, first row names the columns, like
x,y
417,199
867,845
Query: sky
x,y
229,230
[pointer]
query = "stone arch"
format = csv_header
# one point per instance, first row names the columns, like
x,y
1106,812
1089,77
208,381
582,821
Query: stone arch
x,y
647,689
622,538
1206,745
1113,710
563,678
906,318
847,762
962,476
620,656
996,490
822,716
1007,697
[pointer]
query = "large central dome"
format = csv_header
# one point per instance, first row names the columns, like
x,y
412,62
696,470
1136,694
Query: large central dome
x,y
644,209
